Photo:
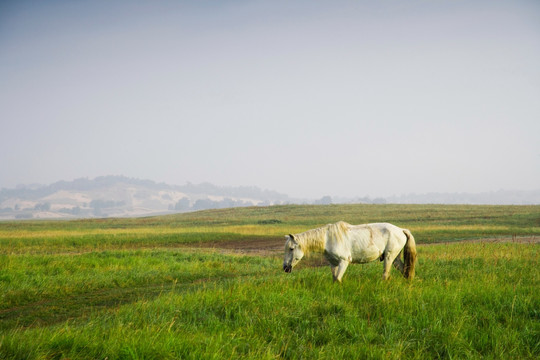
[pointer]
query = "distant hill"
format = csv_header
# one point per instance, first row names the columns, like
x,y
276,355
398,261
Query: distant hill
x,y
119,196
501,197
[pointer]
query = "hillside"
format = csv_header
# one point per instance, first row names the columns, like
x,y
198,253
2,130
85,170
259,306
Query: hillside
x,y
119,196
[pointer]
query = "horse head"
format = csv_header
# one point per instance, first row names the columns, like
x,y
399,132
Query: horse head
x,y
293,253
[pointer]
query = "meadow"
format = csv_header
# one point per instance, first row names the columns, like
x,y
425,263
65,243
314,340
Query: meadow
x,y
148,288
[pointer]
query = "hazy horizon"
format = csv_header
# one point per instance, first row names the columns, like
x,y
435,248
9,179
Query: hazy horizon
x,y
306,98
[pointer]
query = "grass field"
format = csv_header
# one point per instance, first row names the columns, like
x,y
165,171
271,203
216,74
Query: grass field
x,y
138,289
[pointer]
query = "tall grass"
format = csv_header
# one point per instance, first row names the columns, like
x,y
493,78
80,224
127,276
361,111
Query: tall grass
x,y
124,289
468,301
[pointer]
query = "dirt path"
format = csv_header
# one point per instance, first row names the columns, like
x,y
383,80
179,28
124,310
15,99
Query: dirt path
x,y
253,246
264,247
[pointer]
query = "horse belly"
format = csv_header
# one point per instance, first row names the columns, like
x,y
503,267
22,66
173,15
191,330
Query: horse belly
x,y
366,254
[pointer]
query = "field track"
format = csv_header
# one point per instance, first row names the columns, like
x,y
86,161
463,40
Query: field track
x,y
253,247
264,247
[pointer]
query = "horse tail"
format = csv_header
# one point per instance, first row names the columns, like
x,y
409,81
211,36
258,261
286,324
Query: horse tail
x,y
409,255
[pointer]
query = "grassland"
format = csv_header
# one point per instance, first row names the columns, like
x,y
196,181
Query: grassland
x,y
137,289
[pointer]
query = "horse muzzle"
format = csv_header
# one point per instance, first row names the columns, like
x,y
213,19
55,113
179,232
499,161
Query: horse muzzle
x,y
287,268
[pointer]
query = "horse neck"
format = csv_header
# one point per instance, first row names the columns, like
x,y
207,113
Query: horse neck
x,y
312,240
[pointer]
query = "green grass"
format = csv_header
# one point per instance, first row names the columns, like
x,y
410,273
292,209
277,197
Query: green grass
x,y
129,289
429,223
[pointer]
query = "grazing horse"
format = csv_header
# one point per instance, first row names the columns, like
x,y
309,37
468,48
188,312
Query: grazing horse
x,y
344,243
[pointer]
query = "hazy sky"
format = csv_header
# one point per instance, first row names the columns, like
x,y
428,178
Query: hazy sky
x,y
309,98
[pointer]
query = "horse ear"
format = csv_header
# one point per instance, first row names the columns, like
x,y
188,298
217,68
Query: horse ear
x,y
292,237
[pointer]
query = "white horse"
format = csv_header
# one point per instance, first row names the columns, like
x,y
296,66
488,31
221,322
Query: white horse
x,y
344,243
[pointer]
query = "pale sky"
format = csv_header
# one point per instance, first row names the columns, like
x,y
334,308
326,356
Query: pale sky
x,y
308,98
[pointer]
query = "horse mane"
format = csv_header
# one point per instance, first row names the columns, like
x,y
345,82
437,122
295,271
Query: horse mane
x,y
315,239
338,232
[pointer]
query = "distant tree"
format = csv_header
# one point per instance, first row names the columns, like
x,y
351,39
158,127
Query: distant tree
x,y
325,200
203,204
228,203
100,204
73,211
182,204
42,207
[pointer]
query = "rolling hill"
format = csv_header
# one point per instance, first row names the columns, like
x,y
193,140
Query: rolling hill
x,y
119,196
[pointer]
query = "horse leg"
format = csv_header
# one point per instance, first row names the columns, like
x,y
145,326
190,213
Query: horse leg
x,y
388,260
399,265
339,270
334,269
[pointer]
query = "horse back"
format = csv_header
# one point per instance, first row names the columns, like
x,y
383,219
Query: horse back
x,y
369,242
